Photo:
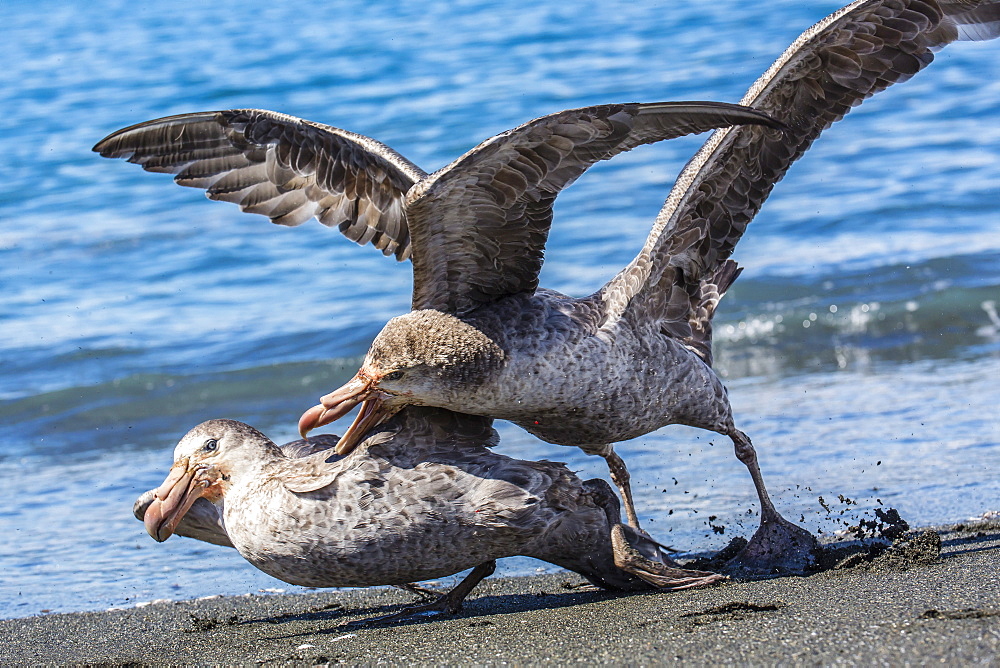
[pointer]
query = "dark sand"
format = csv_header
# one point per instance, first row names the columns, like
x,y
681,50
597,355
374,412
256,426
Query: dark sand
x,y
908,606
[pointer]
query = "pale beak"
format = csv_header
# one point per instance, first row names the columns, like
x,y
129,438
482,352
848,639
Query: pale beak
x,y
172,500
339,402
335,405
373,413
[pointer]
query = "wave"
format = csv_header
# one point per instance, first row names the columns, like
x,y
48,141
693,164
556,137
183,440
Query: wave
x,y
941,309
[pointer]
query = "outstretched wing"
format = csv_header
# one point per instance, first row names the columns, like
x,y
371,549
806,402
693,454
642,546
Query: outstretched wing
x,y
283,167
838,63
479,225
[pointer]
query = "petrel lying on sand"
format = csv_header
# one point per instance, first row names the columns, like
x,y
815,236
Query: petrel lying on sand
x,y
424,497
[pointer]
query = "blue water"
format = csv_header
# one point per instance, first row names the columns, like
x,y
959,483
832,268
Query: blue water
x,y
861,345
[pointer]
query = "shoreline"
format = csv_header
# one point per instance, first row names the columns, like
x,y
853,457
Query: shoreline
x,y
915,608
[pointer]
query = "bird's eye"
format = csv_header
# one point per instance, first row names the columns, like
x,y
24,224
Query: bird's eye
x,y
395,375
211,445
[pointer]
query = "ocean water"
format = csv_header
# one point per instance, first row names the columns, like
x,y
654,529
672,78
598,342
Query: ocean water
x,y
861,345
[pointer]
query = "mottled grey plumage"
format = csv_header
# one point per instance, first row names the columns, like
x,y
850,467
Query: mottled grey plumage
x,y
424,497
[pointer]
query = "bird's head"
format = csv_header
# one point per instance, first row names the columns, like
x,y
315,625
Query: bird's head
x,y
206,461
424,358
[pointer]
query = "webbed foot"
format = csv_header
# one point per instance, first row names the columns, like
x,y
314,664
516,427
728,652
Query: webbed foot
x,y
777,548
641,556
446,604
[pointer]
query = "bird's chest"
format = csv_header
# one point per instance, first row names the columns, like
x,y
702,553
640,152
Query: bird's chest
x,y
600,388
563,385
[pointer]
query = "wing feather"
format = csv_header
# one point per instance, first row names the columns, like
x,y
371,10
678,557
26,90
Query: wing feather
x,y
479,225
282,167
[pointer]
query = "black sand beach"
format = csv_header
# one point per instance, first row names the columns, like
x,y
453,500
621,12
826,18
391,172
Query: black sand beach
x,y
909,605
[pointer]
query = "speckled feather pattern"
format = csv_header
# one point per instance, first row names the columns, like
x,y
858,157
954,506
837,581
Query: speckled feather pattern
x,y
280,166
454,348
568,381
423,498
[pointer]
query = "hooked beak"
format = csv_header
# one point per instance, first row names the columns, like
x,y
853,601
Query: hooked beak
x,y
373,413
173,499
339,402
336,404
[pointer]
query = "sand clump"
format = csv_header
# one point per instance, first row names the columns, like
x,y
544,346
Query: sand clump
x,y
881,542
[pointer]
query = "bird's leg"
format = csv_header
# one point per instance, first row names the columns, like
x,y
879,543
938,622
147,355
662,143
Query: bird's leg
x,y
450,603
746,454
620,476
778,546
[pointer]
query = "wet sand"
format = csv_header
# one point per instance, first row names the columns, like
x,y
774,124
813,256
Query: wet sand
x,y
909,605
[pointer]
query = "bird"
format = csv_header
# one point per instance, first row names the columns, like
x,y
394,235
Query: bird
x,y
204,520
422,497
482,337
